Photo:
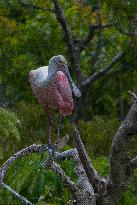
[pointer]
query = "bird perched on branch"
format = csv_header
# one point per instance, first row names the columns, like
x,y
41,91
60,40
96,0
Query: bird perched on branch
x,y
54,89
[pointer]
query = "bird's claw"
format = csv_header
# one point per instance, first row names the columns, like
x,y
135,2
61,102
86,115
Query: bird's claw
x,y
53,148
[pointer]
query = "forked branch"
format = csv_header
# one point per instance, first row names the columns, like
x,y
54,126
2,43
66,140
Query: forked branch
x,y
82,187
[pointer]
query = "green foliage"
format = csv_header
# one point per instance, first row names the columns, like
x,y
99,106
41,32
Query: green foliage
x,y
97,134
9,133
29,178
102,165
128,199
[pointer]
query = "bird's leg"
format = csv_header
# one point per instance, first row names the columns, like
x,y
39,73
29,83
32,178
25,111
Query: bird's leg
x,y
58,128
51,146
49,128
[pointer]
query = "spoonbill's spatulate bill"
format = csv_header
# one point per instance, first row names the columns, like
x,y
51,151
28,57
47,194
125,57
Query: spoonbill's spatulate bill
x,y
54,89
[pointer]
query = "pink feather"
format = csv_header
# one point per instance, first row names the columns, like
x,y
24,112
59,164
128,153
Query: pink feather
x,y
58,96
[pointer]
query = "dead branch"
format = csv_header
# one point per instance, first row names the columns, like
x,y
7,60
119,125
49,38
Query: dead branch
x,y
119,161
82,189
57,170
27,151
16,194
92,174
103,72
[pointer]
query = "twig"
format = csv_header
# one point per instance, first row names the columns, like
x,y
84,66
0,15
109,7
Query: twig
x,y
63,142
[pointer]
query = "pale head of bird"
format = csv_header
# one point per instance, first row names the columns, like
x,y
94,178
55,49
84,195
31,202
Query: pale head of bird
x,y
59,63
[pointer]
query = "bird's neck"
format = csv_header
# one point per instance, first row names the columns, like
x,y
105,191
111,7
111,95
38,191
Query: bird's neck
x,y
52,70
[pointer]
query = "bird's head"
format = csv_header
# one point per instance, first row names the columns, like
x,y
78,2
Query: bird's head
x,y
59,63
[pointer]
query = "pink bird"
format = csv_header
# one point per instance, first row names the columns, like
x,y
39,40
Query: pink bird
x,y
54,87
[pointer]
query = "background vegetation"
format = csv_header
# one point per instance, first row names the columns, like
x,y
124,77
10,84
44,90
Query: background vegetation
x,y
29,37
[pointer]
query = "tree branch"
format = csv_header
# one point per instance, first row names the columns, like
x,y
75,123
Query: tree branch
x,y
69,38
57,170
66,155
27,151
91,32
18,196
119,161
24,152
133,163
103,72
82,189
92,174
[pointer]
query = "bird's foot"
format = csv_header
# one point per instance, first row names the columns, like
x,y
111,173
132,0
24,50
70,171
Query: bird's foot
x,y
53,148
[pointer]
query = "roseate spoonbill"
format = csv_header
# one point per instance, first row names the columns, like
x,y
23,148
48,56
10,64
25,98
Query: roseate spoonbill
x,y
53,87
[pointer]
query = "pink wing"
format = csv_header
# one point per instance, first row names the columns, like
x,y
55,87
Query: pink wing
x,y
64,89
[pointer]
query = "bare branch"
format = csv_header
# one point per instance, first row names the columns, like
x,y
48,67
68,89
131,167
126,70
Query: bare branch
x,y
83,181
18,196
119,160
27,151
65,179
64,155
24,152
103,72
91,32
82,189
92,174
